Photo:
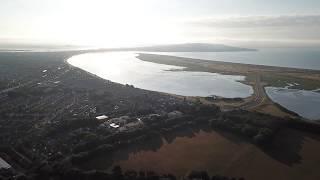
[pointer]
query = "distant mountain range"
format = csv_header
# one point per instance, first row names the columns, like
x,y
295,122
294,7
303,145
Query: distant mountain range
x,y
189,47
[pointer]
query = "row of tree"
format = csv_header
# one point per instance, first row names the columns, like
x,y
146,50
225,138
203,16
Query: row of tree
x,y
115,174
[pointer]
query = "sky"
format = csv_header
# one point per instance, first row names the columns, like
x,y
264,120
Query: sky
x,y
118,23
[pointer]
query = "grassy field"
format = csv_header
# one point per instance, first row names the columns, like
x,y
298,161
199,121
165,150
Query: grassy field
x,y
283,80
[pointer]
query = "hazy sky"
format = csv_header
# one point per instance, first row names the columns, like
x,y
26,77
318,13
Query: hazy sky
x,y
137,22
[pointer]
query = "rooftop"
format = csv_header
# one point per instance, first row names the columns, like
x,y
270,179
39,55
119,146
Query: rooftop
x,y
101,117
4,164
114,125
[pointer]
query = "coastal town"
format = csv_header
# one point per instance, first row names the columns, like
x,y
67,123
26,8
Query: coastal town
x,y
46,111
56,117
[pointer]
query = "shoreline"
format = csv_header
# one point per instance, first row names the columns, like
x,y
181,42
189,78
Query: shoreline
x,y
248,67
252,73
255,76
224,103
79,136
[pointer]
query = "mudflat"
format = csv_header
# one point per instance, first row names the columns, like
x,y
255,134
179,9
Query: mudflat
x,y
223,153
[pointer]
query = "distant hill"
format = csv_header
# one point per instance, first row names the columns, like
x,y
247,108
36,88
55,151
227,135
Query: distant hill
x,y
190,47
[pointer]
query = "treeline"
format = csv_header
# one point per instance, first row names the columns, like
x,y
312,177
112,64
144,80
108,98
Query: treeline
x,y
308,126
57,173
258,127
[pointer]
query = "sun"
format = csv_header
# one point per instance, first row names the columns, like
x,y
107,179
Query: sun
x,y
116,24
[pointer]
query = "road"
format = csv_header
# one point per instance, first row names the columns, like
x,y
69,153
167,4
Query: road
x,y
259,94
15,87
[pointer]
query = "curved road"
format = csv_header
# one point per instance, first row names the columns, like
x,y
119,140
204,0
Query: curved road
x,y
259,94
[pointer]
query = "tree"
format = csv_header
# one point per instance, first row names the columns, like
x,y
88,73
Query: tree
x,y
117,173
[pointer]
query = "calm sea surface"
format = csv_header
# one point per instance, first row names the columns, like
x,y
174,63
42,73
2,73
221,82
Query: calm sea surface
x,y
305,58
304,103
125,68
